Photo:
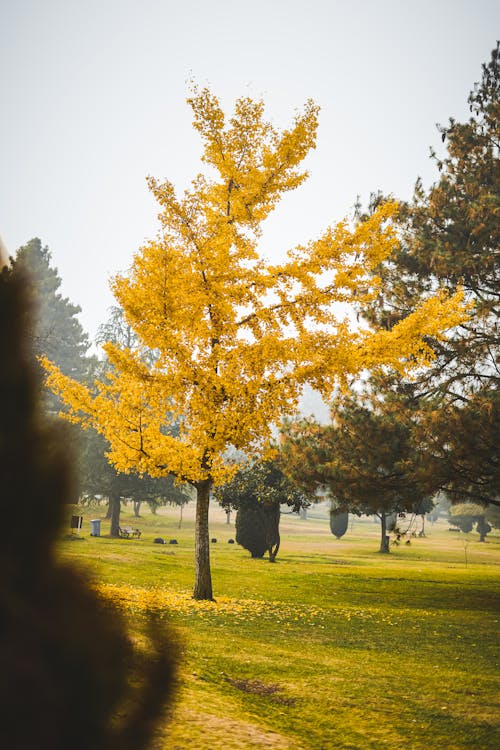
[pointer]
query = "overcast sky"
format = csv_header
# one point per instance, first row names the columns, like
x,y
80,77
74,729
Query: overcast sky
x,y
92,96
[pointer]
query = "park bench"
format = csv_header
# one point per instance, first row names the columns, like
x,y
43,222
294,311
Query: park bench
x,y
127,532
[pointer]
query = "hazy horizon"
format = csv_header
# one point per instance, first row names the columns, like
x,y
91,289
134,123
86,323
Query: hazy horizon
x,y
94,96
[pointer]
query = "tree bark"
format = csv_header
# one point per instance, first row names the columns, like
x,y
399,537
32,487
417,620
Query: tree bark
x,y
422,530
483,528
271,521
114,507
273,550
384,538
203,577
137,508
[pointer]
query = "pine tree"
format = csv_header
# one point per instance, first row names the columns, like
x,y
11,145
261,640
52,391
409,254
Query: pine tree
x,y
451,238
339,521
366,458
56,331
66,663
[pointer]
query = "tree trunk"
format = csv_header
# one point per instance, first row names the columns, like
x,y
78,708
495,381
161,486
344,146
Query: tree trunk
x,y
114,507
483,528
203,579
273,551
228,516
271,521
179,525
137,508
384,538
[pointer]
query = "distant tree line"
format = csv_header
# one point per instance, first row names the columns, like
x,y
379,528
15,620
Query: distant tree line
x,y
57,333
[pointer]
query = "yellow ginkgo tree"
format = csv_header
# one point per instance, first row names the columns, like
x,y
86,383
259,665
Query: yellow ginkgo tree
x,y
235,337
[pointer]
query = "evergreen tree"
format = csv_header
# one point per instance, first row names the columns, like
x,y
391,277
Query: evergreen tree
x,y
493,516
365,458
464,515
256,493
450,238
257,528
339,522
56,331
67,667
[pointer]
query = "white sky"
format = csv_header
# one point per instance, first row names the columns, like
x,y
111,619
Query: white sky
x,y
92,97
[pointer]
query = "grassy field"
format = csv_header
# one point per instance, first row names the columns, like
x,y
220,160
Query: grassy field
x,y
333,646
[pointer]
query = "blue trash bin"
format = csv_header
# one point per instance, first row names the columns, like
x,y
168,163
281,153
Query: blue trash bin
x,y
95,527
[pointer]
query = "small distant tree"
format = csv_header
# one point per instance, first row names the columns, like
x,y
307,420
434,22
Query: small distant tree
x,y
256,493
465,515
339,522
483,528
440,506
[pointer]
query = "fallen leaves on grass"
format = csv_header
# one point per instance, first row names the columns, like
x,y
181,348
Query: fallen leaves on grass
x,y
137,600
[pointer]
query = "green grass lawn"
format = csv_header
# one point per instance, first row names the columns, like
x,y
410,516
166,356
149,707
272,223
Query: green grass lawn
x,y
333,646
